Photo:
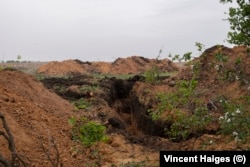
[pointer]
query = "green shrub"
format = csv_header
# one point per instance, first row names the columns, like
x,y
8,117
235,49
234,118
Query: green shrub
x,y
235,121
87,132
184,125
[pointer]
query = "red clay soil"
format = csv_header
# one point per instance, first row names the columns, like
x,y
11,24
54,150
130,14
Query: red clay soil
x,y
223,71
35,116
129,65
65,67
137,64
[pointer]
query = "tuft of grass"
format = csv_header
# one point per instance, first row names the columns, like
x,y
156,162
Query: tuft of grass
x,y
81,104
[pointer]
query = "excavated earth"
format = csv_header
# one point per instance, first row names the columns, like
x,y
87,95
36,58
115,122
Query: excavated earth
x,y
37,111
130,65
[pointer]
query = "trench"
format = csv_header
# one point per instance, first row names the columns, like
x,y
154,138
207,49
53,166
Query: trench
x,y
126,103
133,115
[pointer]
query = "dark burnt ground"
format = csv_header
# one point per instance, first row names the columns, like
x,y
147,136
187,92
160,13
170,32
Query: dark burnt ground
x,y
131,118
61,86
126,104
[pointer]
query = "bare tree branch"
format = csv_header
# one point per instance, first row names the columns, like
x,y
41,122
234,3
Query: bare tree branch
x,y
10,139
52,145
4,161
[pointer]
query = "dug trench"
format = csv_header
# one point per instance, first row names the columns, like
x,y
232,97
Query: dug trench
x,y
130,119
132,112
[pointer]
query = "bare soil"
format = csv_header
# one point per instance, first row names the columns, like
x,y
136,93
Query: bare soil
x,y
37,112
130,65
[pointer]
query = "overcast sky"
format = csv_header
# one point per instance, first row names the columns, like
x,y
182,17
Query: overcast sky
x,y
103,30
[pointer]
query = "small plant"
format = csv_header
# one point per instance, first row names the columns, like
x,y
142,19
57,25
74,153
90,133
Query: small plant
x,y
185,57
39,76
91,88
59,88
152,74
200,46
87,132
221,57
18,59
184,125
235,121
81,104
238,61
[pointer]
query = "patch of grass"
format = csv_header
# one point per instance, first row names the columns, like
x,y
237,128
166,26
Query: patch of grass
x,y
221,57
81,104
39,76
59,88
89,88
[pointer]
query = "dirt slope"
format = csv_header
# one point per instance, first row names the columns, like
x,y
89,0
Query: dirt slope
x,y
65,67
136,64
34,115
223,71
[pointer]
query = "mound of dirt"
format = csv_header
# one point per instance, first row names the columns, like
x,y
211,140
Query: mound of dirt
x,y
129,65
223,71
37,119
63,68
136,64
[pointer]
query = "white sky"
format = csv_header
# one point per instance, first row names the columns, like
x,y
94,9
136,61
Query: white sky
x,y
103,30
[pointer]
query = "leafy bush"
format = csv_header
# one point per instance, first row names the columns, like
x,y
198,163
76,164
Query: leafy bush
x,y
184,125
173,100
239,22
235,121
87,132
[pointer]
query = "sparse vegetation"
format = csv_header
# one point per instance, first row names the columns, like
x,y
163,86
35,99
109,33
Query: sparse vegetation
x,y
81,104
152,74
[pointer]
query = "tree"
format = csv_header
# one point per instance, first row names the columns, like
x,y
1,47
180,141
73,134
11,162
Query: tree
x,y
19,57
239,19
